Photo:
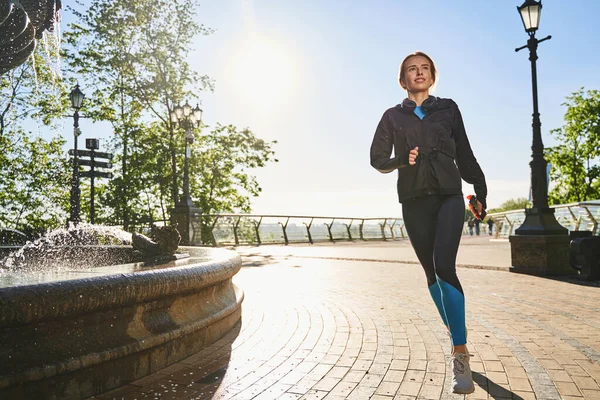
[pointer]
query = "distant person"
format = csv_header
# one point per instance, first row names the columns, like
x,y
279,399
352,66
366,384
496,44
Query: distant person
x,y
471,224
432,153
490,226
477,231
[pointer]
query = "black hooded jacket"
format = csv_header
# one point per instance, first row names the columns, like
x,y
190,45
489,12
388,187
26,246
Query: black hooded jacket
x,y
445,155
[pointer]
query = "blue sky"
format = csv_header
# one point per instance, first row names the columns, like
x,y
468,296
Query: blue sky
x,y
317,75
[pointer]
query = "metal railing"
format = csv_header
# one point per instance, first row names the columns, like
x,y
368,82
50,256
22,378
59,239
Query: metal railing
x,y
582,216
240,229
237,229
256,229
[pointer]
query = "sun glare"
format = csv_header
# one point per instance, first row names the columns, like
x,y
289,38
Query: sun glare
x,y
265,73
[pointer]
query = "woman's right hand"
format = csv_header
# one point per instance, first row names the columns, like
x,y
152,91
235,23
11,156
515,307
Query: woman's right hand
x,y
412,156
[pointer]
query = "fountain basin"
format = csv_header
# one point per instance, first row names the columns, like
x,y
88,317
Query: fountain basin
x,y
79,333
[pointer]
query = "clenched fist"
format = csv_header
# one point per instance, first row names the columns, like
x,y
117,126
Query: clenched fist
x,y
412,156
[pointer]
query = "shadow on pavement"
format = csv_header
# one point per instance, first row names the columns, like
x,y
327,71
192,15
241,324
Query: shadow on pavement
x,y
260,260
494,390
576,280
211,373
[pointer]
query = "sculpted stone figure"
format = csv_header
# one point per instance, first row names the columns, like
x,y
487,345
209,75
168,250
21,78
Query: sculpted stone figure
x,y
167,237
164,240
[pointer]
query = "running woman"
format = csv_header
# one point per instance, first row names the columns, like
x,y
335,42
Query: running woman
x,y
432,153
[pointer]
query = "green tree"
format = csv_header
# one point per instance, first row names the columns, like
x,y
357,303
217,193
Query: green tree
x,y
220,171
151,189
220,179
513,204
34,174
135,54
34,184
575,160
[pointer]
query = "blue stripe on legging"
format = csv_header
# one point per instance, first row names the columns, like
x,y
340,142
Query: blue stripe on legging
x,y
436,295
453,302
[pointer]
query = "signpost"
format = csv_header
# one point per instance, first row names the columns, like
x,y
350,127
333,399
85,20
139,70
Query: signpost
x,y
92,145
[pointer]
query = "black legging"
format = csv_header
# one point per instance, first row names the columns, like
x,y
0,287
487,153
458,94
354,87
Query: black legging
x,y
434,225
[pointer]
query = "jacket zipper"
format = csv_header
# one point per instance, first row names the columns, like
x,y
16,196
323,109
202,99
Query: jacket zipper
x,y
428,183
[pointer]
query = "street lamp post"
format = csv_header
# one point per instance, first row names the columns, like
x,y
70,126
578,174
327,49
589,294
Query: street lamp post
x,y
185,211
540,244
188,119
76,97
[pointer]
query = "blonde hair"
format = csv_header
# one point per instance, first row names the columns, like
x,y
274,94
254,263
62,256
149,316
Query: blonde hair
x,y
416,53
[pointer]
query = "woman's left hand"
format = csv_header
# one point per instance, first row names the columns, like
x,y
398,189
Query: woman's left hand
x,y
479,207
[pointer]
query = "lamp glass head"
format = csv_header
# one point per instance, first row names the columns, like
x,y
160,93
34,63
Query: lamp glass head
x,y
530,15
76,97
198,114
178,111
187,109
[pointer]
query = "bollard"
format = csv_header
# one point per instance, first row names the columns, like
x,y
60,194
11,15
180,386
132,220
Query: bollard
x,y
585,257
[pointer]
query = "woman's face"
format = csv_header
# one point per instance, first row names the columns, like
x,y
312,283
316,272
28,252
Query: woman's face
x,y
417,75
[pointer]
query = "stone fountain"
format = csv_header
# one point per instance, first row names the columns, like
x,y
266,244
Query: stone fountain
x,y
75,331
22,22
80,316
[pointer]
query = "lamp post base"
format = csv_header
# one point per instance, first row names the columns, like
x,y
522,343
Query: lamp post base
x,y
188,222
541,255
540,245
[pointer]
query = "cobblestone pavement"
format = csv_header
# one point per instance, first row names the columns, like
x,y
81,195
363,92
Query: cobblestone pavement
x,y
334,327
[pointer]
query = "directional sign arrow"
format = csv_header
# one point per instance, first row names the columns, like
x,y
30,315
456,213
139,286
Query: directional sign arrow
x,y
88,153
97,164
97,174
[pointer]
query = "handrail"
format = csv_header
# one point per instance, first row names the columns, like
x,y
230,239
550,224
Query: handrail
x,y
257,229
296,216
594,203
233,228
584,215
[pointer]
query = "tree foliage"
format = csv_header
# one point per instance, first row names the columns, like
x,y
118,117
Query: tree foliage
x,y
221,181
34,174
131,60
135,56
575,160
512,204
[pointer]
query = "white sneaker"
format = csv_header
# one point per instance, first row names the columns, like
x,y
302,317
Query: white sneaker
x,y
462,379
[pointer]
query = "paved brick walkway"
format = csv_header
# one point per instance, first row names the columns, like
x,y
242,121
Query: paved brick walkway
x,y
355,321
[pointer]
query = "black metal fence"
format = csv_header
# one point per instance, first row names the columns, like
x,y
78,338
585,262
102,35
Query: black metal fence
x,y
256,229
580,216
239,229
